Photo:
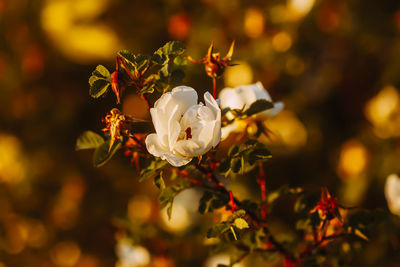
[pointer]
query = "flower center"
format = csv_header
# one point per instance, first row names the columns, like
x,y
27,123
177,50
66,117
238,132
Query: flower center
x,y
188,132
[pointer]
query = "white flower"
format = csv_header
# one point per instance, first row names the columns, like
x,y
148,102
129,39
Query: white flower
x,y
184,129
392,193
130,255
244,96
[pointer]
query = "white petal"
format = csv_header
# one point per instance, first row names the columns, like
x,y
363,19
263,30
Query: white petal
x,y
160,126
174,127
225,131
230,99
155,148
184,97
212,104
189,148
260,91
278,106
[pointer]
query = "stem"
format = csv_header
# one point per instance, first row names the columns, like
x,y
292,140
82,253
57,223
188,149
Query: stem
x,y
147,101
232,202
214,87
139,143
261,182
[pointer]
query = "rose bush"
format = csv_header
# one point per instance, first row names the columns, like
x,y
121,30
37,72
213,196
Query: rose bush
x,y
392,193
184,129
242,97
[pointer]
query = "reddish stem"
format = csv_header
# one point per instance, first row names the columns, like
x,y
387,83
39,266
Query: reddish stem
x,y
261,182
232,201
214,87
147,101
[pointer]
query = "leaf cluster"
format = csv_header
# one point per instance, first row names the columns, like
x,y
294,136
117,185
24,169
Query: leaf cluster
x,y
242,158
160,71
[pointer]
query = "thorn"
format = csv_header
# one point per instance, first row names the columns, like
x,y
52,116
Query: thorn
x,y
210,49
230,52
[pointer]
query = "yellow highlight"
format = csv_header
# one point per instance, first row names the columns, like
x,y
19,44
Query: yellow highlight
x,y
65,22
12,160
383,111
286,130
238,75
281,42
300,8
253,22
353,159
65,254
139,208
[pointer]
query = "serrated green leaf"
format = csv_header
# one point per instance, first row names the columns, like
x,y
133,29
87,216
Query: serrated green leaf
x,y
258,106
240,223
102,72
103,154
88,140
98,88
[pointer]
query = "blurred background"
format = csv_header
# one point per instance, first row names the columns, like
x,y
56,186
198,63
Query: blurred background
x,y
334,63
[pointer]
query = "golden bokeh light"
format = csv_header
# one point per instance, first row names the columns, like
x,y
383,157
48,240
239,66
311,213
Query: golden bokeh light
x,y
139,208
12,160
353,159
286,131
281,41
383,111
238,75
254,22
83,42
65,254
300,8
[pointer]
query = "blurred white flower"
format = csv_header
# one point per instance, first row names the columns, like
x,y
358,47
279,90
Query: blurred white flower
x,y
244,96
131,256
184,129
392,193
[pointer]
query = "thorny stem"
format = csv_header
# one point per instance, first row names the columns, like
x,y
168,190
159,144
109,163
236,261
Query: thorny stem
x,y
257,220
134,79
261,182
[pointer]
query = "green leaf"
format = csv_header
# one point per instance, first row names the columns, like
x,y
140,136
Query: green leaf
x,y
101,72
240,223
103,153
159,181
98,88
258,106
173,48
155,166
99,82
217,230
211,201
88,140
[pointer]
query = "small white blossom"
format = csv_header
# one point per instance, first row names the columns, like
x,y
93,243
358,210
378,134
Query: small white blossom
x,y
244,96
184,128
130,255
392,193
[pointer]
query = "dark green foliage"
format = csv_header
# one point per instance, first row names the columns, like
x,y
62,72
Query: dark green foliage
x,y
211,201
243,158
155,165
103,153
258,106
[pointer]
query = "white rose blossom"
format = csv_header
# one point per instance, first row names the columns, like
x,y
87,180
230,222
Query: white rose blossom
x,y
392,193
244,96
184,128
